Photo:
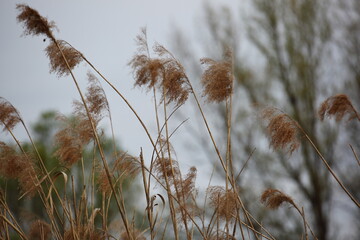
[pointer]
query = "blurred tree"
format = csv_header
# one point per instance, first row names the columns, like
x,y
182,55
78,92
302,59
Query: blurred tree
x,y
287,59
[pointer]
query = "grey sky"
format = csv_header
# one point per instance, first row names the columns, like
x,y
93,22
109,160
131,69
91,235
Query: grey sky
x,y
104,32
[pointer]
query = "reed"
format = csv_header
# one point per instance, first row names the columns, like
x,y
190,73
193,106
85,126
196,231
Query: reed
x,y
175,212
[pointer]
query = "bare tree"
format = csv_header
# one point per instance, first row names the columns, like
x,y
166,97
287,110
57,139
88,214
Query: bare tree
x,y
291,65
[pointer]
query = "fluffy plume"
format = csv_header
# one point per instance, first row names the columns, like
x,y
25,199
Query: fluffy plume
x,y
186,194
187,186
282,130
39,230
337,106
96,98
9,116
165,72
97,104
174,82
57,62
18,166
217,78
34,23
127,166
71,139
164,167
103,183
224,201
273,198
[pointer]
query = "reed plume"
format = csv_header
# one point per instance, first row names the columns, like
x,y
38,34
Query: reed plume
x,y
9,116
338,106
282,130
34,23
18,166
218,78
224,201
273,198
165,72
57,62
71,139
125,167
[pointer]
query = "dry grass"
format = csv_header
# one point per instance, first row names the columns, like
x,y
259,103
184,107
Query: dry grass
x,y
76,214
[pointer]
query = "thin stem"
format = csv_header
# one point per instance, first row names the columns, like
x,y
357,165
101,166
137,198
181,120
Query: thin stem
x,y
102,155
327,164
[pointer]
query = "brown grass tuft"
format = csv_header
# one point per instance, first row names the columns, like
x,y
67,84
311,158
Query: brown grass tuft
x,y
166,167
165,72
18,166
34,23
103,182
282,130
40,230
337,106
175,81
217,78
273,198
127,166
57,62
225,202
71,140
96,98
9,116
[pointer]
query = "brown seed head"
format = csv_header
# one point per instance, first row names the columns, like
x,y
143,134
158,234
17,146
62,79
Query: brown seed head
x,y
70,141
103,183
57,62
337,106
217,78
18,166
224,201
11,163
164,167
127,166
96,98
174,79
282,130
165,72
34,23
273,198
9,116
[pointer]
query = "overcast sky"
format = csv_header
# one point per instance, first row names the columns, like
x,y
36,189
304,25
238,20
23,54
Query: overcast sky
x,y
104,31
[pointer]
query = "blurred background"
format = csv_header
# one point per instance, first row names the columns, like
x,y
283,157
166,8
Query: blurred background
x,y
291,54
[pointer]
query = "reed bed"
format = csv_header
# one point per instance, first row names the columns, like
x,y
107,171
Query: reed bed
x,y
175,212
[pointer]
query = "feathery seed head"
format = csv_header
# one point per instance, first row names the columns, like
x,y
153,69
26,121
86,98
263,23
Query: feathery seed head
x,y
273,198
282,130
337,106
224,200
9,116
34,23
18,166
217,78
127,166
165,72
57,62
